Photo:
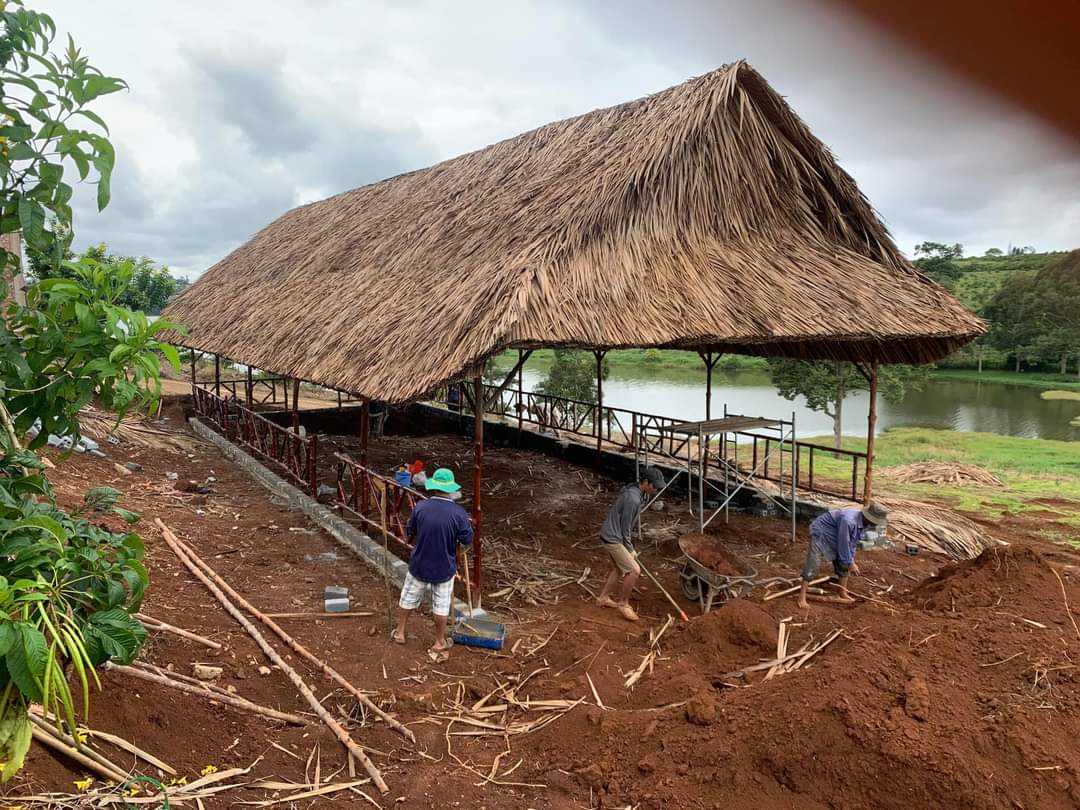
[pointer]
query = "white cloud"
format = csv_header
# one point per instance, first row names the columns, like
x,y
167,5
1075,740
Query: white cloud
x,y
240,110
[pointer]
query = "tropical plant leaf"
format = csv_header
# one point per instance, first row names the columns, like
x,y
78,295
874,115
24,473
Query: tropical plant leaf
x,y
26,660
18,744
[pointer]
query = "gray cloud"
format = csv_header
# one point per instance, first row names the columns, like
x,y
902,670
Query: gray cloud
x,y
227,126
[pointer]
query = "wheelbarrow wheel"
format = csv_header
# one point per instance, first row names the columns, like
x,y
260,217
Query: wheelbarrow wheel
x,y
691,586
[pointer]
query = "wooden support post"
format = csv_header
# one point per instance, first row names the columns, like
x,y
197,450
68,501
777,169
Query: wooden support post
x,y
217,375
365,429
598,416
478,462
193,379
868,480
296,405
250,388
710,364
520,395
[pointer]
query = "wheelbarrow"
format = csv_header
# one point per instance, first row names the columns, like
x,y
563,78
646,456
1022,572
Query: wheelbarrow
x,y
702,583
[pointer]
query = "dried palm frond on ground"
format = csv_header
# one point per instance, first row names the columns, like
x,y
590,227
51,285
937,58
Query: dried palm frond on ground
x,y
134,428
942,473
936,528
929,526
527,574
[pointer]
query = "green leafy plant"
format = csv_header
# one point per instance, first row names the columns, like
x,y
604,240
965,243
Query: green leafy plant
x,y
68,586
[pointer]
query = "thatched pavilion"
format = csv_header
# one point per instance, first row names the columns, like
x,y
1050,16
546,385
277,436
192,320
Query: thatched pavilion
x,y
704,217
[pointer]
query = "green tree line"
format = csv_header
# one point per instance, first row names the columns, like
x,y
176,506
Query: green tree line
x,y
150,286
1030,300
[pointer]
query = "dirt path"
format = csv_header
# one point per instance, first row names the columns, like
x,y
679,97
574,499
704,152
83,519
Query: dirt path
x,y
959,691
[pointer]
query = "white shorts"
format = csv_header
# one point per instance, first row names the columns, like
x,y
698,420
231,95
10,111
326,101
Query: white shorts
x,y
414,590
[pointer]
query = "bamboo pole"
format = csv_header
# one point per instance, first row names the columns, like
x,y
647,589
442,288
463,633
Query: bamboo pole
x,y
231,700
66,744
272,654
599,401
50,740
329,671
868,482
478,463
157,624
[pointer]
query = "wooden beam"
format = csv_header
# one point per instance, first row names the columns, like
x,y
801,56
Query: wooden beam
x,y
868,481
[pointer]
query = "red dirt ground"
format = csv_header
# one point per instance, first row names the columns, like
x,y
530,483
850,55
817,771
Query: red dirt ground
x,y
954,690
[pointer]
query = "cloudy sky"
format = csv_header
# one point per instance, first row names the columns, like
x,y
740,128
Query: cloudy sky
x,y
239,110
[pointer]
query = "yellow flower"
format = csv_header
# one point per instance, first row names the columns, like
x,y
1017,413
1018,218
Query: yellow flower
x,y
180,780
209,769
84,784
81,736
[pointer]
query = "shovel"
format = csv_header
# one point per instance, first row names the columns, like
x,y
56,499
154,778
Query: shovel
x,y
656,582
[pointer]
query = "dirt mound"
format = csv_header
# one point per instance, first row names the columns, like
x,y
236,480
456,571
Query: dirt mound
x,y
1001,577
733,630
706,549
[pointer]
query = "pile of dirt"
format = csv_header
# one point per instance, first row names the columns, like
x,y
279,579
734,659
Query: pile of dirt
x,y
919,709
942,473
706,549
1007,574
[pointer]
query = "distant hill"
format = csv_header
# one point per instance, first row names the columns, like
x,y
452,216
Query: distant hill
x,y
975,280
980,277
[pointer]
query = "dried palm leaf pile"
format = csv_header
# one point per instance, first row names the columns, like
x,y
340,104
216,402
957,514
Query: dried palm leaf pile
x,y
942,473
929,526
704,216
936,528
134,428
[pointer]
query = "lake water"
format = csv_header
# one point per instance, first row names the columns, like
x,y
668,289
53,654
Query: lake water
x,y
1010,410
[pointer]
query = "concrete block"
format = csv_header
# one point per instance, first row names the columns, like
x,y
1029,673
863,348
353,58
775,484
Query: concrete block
x,y
336,605
335,592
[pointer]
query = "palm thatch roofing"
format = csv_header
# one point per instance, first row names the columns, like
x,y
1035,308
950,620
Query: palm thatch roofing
x,y
706,216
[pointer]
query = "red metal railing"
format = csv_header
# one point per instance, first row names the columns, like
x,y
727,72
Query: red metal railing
x,y
360,496
378,503
282,448
626,429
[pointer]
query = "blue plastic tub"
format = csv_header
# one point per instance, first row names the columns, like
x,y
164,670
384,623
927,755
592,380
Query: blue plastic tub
x,y
403,478
479,633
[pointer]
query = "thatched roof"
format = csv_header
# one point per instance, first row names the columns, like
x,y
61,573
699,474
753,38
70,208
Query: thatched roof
x,y
706,215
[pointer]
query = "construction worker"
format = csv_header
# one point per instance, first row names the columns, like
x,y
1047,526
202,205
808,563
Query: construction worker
x,y
834,537
435,528
616,536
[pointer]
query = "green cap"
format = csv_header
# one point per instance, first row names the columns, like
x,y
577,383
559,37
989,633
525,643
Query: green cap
x,y
443,481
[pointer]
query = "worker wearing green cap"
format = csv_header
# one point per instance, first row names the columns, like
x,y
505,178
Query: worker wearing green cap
x,y
435,528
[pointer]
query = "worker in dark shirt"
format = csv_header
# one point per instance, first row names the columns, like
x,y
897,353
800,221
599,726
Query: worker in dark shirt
x,y
616,536
435,527
834,537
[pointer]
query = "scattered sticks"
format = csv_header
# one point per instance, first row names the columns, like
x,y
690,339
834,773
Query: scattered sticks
x,y
160,626
1065,598
329,671
650,656
210,694
188,558
793,589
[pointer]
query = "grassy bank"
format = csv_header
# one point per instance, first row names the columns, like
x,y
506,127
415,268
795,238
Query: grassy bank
x,y
1032,379
1032,470
645,363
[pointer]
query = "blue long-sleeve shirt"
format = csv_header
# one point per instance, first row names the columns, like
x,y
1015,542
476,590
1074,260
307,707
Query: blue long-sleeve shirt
x,y
437,525
837,533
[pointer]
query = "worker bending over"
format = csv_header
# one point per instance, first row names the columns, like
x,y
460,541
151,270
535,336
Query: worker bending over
x,y
834,537
436,526
616,536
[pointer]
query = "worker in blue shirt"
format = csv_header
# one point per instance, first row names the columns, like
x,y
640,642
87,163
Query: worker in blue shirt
x,y
834,537
435,527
